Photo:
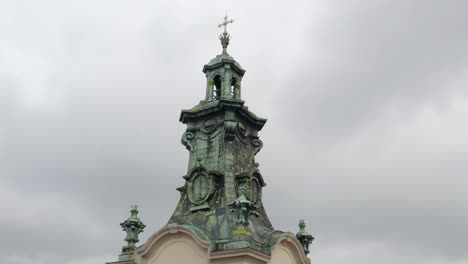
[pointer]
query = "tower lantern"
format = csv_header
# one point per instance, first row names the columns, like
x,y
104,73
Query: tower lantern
x,y
223,73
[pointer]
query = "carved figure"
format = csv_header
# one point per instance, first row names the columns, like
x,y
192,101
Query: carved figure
x,y
243,206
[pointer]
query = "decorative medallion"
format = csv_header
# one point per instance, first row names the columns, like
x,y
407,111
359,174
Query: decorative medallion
x,y
201,187
230,130
258,144
198,188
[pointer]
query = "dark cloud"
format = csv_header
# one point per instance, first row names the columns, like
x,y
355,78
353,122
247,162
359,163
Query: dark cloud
x,y
368,101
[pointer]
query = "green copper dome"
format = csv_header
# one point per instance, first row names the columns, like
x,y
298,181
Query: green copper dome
x,y
222,59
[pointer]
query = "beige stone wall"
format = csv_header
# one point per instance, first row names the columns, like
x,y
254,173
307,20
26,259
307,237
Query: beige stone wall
x,y
173,245
177,251
282,255
288,251
176,244
239,256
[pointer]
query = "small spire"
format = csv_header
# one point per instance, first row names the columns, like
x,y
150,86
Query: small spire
x,y
225,37
133,227
304,237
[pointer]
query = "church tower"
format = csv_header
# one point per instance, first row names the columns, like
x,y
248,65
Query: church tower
x,y
223,191
220,217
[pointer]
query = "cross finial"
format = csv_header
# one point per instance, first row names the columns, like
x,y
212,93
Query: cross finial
x,y
226,22
225,36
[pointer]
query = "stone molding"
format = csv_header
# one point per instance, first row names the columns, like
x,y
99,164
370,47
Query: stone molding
x,y
157,243
245,255
122,262
288,240
172,231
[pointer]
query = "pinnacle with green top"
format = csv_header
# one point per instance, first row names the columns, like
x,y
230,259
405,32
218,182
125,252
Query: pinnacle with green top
x,y
133,227
304,237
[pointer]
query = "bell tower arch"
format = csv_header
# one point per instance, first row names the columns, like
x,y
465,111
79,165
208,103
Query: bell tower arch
x,y
223,75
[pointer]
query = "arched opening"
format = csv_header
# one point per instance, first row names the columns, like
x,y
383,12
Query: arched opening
x,y
233,87
217,90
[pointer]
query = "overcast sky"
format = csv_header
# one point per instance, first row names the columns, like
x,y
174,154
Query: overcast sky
x,y
366,139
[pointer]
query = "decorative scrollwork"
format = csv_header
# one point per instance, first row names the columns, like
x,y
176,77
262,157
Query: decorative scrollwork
x,y
258,144
230,130
209,126
242,133
186,140
242,128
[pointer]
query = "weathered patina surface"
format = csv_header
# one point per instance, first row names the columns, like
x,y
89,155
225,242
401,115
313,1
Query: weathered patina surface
x,y
133,227
304,237
221,199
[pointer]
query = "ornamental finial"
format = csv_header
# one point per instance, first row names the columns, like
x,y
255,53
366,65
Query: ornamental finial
x,y
133,227
304,237
225,37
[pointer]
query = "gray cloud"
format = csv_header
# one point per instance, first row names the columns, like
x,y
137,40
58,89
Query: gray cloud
x,y
366,105
380,55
